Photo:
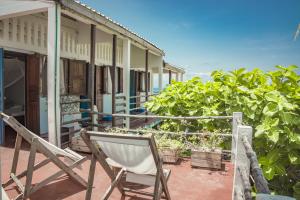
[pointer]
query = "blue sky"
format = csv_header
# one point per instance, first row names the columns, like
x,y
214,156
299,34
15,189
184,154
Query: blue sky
x,y
204,35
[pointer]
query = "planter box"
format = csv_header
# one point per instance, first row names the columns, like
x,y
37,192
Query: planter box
x,y
169,155
206,159
77,144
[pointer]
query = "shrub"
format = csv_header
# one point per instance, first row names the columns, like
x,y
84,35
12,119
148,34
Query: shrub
x,y
269,102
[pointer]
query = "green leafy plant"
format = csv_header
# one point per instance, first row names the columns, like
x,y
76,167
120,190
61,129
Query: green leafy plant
x,y
207,143
270,102
165,141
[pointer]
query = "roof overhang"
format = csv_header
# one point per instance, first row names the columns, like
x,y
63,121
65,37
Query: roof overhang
x,y
99,19
173,68
9,8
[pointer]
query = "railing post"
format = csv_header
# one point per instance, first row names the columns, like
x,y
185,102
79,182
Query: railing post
x,y
237,118
242,164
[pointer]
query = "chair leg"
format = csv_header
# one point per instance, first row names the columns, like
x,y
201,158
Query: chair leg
x,y
114,183
30,167
165,187
157,185
91,178
16,154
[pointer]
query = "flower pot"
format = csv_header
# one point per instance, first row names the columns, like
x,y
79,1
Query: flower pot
x,y
206,158
169,155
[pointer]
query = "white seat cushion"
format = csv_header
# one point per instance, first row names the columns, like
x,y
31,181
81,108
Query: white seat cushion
x,y
143,179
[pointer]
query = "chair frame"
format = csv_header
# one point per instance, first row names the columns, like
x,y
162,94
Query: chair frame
x,y
97,155
37,146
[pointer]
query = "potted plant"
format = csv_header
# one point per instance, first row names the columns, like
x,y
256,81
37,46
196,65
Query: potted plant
x,y
206,151
169,148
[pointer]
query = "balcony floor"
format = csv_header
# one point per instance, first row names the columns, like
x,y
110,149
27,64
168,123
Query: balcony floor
x,y
184,183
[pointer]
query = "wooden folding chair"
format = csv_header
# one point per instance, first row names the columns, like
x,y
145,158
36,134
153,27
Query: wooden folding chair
x,y
52,154
137,156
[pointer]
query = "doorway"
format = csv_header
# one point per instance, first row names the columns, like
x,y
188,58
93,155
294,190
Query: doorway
x,y
20,91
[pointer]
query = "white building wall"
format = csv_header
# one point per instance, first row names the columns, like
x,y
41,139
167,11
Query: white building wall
x,y
29,33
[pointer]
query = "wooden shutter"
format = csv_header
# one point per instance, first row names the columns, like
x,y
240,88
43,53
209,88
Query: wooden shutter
x,y
149,81
77,78
138,82
142,81
121,89
44,90
32,111
117,79
64,77
104,79
98,87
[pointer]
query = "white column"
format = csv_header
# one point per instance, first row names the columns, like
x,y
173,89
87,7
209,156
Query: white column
x,y
126,61
53,74
181,77
177,76
160,74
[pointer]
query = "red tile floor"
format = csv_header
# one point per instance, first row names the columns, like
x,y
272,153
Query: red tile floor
x,y
184,183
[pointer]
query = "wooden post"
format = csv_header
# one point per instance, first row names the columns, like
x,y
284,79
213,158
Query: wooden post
x,y
261,183
18,144
91,178
53,73
30,168
242,163
236,120
113,79
91,75
146,78
170,76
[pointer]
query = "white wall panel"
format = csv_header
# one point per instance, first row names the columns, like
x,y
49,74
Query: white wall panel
x,y
30,33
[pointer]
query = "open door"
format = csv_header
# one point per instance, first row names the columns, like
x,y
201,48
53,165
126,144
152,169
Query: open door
x,y
32,112
1,95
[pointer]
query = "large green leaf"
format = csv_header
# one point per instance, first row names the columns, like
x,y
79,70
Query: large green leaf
x,y
270,109
294,157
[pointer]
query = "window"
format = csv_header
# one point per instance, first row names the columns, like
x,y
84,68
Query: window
x,y
105,79
142,81
64,76
77,78
119,77
73,78
43,80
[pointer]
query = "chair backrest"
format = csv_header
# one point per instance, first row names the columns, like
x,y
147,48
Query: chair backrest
x,y
28,136
134,153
